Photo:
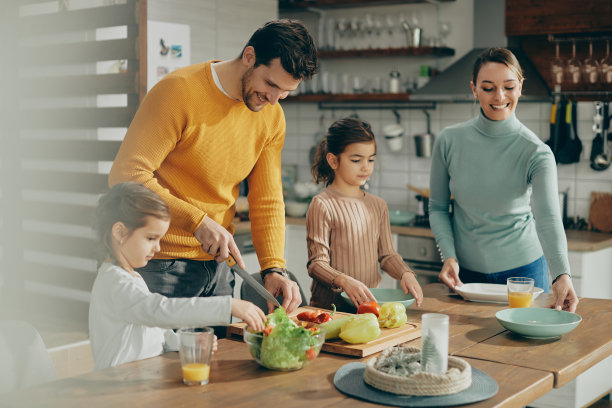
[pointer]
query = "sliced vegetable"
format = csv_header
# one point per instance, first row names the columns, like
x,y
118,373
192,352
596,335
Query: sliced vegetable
x,y
392,314
360,329
369,307
324,316
332,327
308,316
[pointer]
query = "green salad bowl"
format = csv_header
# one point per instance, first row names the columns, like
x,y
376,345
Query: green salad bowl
x,y
400,217
538,323
385,296
284,354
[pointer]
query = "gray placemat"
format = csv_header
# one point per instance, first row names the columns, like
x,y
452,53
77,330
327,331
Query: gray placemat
x,y
349,380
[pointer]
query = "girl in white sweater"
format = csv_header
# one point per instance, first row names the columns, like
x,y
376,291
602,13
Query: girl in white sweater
x,y
126,321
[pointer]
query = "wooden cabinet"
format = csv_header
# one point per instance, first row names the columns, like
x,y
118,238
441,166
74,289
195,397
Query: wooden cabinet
x,y
543,17
287,5
532,22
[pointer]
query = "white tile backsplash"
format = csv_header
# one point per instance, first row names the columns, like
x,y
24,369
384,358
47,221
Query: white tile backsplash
x,y
396,169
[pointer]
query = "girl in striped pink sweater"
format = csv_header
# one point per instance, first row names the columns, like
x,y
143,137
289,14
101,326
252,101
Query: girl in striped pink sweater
x,y
348,229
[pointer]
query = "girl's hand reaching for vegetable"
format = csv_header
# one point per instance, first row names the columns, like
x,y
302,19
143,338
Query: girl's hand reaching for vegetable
x,y
249,313
356,290
410,284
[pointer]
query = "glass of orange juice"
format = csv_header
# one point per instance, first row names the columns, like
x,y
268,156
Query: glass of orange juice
x,y
195,351
520,291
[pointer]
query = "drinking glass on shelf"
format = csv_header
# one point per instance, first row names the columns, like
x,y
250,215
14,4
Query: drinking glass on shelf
x,y
444,30
557,67
574,67
590,67
520,291
606,66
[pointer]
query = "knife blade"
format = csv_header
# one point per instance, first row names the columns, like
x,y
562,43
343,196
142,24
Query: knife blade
x,y
251,281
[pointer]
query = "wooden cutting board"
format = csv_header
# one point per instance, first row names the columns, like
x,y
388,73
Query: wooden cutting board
x,y
600,213
387,338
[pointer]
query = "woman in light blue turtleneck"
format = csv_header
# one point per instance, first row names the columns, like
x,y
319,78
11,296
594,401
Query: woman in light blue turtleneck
x,y
492,165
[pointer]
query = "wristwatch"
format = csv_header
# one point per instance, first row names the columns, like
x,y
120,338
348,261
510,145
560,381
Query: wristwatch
x,y
280,271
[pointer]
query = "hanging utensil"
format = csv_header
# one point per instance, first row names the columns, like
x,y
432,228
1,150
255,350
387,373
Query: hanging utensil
x,y
600,156
570,145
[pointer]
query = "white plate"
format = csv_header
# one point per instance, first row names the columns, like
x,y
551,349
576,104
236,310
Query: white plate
x,y
488,292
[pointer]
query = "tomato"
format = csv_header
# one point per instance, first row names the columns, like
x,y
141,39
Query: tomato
x,y
268,329
311,353
369,307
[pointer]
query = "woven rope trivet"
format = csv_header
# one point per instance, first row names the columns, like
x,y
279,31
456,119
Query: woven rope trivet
x,y
458,377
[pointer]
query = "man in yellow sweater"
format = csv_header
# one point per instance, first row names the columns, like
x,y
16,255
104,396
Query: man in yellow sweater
x,y
198,133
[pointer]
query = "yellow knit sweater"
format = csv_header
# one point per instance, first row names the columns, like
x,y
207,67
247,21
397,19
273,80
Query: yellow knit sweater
x,y
193,145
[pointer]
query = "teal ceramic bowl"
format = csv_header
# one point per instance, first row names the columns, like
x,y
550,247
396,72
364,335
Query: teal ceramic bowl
x,y
538,323
385,296
399,217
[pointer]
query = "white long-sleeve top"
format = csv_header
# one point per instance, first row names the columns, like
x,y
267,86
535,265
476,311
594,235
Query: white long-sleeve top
x,y
127,322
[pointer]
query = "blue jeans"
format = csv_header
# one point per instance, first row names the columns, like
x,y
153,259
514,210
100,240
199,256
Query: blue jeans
x,y
189,278
538,270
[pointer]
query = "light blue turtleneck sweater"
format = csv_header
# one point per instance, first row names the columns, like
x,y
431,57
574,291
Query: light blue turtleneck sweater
x,y
491,168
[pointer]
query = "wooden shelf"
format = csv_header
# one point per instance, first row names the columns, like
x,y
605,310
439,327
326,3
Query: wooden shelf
x,y
304,4
369,97
389,52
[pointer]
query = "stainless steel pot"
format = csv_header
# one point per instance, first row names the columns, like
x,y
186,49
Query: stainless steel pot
x,y
423,142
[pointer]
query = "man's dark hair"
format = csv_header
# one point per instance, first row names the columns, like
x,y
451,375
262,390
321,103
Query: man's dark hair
x,y
288,40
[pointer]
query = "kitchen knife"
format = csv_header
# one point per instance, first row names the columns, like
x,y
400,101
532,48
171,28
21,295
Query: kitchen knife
x,y
251,281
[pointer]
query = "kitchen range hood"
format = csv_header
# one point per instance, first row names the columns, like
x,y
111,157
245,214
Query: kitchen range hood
x,y
453,84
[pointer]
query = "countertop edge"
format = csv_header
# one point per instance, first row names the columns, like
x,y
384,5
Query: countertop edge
x,y
579,241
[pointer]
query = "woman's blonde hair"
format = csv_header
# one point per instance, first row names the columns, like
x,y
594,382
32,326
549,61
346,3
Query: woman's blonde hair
x,y
500,55
129,203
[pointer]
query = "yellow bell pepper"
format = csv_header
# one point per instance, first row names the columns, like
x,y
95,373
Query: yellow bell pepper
x,y
360,329
392,314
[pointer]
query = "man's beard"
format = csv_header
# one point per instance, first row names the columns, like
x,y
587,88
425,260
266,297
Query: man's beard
x,y
247,96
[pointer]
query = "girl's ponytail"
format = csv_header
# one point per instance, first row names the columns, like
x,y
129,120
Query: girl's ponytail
x,y
321,171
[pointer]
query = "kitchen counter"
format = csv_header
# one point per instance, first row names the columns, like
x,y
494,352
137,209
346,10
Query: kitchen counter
x,y
524,369
581,241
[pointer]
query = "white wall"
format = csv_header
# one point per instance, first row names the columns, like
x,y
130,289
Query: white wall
x,y
394,170
219,28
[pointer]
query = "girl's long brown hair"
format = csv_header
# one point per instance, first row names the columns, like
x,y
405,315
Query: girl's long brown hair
x,y
129,203
340,134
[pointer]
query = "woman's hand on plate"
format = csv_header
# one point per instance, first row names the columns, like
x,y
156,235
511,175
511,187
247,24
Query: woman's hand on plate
x,y
449,275
565,295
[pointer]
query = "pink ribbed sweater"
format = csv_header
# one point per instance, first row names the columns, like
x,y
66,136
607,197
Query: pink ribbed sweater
x,y
352,236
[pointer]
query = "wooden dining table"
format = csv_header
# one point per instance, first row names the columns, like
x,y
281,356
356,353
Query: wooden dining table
x,y
525,369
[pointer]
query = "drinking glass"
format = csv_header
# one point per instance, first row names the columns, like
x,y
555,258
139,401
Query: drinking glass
x,y
444,30
434,343
520,291
557,67
574,67
590,67
606,66
195,351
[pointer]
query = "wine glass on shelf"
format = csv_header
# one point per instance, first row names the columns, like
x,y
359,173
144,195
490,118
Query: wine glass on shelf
x,y
557,67
444,30
574,67
606,66
590,67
